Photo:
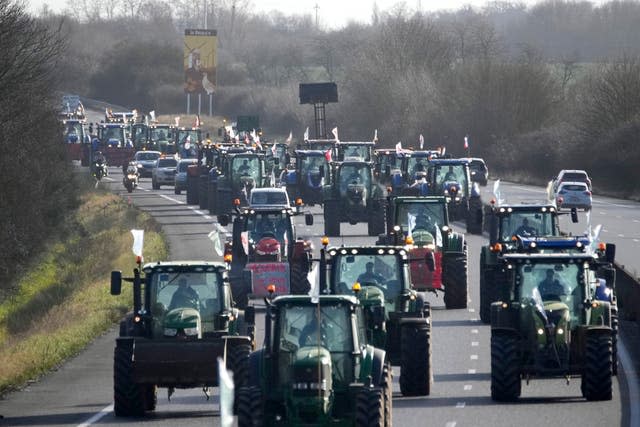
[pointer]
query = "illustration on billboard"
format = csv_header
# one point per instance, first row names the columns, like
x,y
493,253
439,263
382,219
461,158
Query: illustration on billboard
x,y
200,61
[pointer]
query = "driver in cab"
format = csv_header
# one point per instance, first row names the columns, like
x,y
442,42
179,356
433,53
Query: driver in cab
x,y
526,230
550,288
369,276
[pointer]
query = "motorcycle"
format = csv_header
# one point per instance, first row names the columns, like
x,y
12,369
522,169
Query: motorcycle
x,y
99,170
130,179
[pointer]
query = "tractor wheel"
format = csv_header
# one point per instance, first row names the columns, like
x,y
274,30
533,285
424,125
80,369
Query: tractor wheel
x,y
150,397
596,375
454,277
213,198
415,363
224,204
376,222
238,363
387,389
505,368
331,219
487,295
250,409
240,294
475,216
614,339
370,407
128,397
299,283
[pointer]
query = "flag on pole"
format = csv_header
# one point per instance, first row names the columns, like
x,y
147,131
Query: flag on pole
x,y
244,238
334,131
306,134
399,147
327,155
152,114
375,136
274,150
226,394
290,138
215,237
438,236
421,142
177,120
314,290
196,123
411,223
466,142
138,242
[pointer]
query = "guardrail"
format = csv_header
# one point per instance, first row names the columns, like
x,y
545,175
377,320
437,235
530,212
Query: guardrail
x,y
628,290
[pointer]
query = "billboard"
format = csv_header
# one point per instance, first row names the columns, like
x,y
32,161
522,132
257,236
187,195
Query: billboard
x,y
200,61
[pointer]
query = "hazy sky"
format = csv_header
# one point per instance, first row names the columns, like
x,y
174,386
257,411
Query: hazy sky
x,y
331,13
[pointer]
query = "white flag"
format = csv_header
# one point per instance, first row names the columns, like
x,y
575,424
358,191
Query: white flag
x,y
226,395
138,242
177,120
290,138
438,236
314,291
152,114
496,192
375,136
334,131
421,142
399,147
244,238
273,178
274,150
306,134
411,223
214,236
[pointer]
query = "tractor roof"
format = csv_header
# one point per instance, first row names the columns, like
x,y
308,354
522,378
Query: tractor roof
x,y
563,257
419,199
367,250
506,209
310,153
449,162
182,266
322,300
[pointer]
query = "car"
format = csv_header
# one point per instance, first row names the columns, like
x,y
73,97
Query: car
x,y
145,161
571,175
271,197
478,170
573,195
163,173
181,174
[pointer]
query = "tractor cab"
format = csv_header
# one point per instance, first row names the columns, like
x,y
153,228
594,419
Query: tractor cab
x,y
362,151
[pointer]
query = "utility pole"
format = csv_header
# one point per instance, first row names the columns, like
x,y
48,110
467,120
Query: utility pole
x,y
205,14
316,7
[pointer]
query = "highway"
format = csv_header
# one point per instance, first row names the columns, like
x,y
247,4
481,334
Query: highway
x,y
80,392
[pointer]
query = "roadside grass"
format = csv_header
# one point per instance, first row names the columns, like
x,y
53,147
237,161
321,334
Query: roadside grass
x,y
63,301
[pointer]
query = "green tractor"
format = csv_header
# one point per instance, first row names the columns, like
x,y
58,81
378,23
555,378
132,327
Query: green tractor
x,y
423,222
182,320
240,173
316,367
553,325
398,317
353,196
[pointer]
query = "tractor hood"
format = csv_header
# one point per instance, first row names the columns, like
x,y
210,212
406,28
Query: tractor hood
x,y
312,387
182,322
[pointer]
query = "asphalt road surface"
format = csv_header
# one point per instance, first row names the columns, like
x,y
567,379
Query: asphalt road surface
x,y
80,393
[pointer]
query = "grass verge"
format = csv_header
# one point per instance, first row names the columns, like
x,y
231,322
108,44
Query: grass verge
x,y
63,301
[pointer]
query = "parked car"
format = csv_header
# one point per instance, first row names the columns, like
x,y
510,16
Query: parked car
x,y
181,174
272,197
145,161
163,173
571,175
478,170
573,195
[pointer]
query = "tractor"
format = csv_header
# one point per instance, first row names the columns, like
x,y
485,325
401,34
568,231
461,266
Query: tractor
x,y
362,151
264,250
451,178
398,318
423,223
552,325
182,320
308,177
316,367
239,174
353,195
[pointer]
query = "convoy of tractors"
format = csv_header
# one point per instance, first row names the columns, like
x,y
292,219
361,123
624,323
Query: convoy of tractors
x,y
339,318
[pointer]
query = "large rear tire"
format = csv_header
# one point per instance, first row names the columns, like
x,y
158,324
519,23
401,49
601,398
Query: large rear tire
x,y
299,283
128,397
150,397
487,295
454,277
505,368
331,219
376,222
415,363
370,407
475,216
240,293
250,407
387,389
596,377
614,339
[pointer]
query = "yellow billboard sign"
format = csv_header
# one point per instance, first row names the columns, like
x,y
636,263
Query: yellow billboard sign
x,y
200,61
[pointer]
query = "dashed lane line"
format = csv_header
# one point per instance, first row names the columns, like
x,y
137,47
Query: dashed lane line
x,y
468,387
475,343
461,405
474,357
474,331
471,371
97,416
171,199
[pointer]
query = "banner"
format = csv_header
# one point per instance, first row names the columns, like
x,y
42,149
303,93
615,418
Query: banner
x,y
200,48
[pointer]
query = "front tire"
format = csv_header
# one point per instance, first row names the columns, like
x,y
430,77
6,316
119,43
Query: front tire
x,y
331,219
370,407
505,368
596,377
299,283
454,277
250,407
128,397
415,364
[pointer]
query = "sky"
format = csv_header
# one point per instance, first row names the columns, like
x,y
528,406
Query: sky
x,y
331,13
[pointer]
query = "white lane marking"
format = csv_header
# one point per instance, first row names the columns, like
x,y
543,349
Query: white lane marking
x,y
475,343
602,213
460,405
474,357
467,387
171,199
450,424
97,416
620,235
636,240
474,319
632,384
635,220
474,331
472,310
471,371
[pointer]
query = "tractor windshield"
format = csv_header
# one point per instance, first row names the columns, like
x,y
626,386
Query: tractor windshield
x,y
451,174
416,164
548,283
311,165
113,135
383,271
246,168
74,128
160,134
527,224
421,216
269,224
360,152
354,175
192,289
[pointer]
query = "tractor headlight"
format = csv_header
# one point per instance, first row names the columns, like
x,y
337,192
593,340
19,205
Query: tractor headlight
x,y
540,331
191,331
560,331
318,386
300,386
170,332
